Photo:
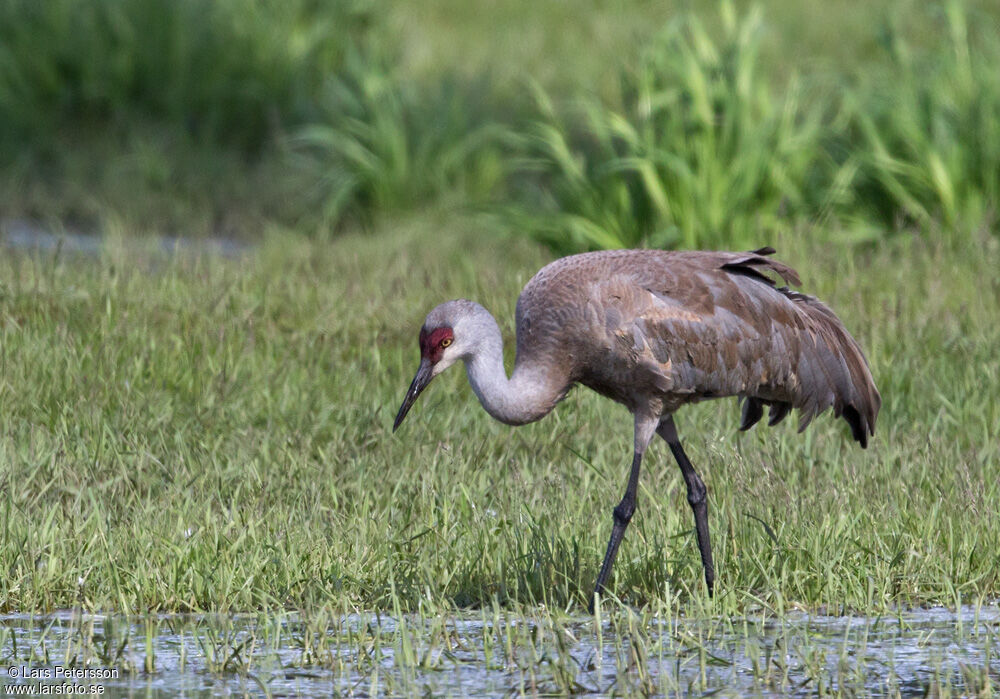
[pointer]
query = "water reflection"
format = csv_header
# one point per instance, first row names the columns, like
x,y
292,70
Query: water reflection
x,y
494,654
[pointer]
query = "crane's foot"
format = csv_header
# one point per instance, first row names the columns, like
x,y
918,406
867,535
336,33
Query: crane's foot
x,y
623,515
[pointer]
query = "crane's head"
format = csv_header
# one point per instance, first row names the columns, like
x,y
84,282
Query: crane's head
x,y
444,339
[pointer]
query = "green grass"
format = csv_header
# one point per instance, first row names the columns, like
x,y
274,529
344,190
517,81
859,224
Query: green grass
x,y
704,148
195,433
385,143
698,125
165,116
578,45
231,71
701,154
152,181
922,140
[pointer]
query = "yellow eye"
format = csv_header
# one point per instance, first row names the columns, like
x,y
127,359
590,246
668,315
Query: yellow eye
x,y
445,342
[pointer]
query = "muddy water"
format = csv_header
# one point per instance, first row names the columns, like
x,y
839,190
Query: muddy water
x,y
906,654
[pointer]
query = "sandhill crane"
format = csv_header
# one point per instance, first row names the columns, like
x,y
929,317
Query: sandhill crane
x,y
655,330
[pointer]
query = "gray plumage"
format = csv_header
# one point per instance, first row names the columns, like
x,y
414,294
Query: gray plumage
x,y
656,330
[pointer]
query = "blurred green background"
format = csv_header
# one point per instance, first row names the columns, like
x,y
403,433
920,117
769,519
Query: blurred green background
x,y
583,125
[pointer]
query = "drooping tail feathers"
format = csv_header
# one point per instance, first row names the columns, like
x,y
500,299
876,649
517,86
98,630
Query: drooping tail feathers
x,y
830,370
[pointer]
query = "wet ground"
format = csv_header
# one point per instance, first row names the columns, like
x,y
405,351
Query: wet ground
x,y
26,235
489,654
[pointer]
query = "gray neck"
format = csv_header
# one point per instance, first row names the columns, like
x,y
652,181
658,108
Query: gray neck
x,y
528,395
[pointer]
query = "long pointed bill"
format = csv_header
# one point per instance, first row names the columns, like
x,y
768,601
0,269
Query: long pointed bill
x,y
420,382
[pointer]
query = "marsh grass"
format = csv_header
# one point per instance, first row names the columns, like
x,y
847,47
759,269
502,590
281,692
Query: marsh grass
x,y
527,651
228,72
922,139
383,142
152,181
693,128
701,153
705,148
163,117
191,433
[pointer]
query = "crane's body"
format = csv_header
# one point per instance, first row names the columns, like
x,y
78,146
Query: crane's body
x,y
655,330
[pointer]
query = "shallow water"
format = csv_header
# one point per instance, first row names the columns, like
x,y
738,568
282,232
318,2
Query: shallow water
x,y
26,235
491,654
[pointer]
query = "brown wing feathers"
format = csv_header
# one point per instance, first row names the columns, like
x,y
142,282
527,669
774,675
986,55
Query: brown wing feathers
x,y
835,353
684,326
831,369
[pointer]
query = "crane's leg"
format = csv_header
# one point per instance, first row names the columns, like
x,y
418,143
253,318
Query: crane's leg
x,y
645,426
697,497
